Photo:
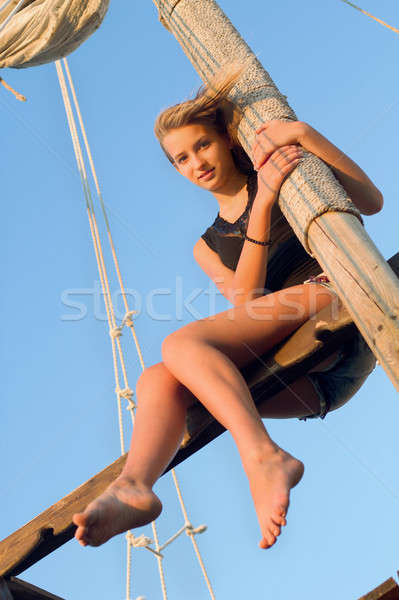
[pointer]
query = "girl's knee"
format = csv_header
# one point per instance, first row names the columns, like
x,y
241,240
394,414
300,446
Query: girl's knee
x,y
158,382
156,376
172,347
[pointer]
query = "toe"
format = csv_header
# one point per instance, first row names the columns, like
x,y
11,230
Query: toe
x,y
80,532
279,518
263,544
79,519
275,530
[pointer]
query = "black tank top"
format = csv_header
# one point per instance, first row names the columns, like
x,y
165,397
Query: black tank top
x,y
288,262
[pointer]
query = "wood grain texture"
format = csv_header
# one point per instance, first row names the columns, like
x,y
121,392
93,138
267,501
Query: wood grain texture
x,y
365,282
52,528
389,590
22,590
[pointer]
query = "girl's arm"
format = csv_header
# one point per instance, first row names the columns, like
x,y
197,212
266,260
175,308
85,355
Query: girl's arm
x,y
250,274
361,190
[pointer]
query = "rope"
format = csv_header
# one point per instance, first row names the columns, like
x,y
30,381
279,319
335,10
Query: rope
x,y
10,89
371,16
98,255
101,265
116,331
191,534
100,197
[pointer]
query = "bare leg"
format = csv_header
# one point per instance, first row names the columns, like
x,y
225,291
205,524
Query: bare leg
x,y
158,430
204,356
160,419
129,502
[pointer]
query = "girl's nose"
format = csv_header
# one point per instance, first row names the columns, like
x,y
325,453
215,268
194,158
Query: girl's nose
x,y
197,161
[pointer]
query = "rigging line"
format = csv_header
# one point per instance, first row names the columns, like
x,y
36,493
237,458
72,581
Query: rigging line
x,y
371,16
10,89
105,285
114,329
330,431
193,540
100,197
100,265
69,167
95,238
104,279
99,194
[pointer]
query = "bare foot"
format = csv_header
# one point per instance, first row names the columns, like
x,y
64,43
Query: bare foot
x,y
271,479
124,505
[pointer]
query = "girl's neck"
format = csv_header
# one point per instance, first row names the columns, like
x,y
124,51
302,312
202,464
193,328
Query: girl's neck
x,y
233,194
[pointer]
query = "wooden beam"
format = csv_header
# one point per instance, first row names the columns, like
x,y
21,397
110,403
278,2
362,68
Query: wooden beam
x,y
389,590
305,348
22,590
53,527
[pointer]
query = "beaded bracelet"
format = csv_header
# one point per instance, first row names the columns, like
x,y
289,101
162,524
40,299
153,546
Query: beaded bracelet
x,y
268,243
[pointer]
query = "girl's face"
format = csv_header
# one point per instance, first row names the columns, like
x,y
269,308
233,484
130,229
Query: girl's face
x,y
202,155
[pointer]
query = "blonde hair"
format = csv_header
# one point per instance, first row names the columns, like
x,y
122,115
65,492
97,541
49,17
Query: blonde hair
x,y
211,107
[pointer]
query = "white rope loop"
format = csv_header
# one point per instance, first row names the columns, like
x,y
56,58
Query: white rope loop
x,y
141,541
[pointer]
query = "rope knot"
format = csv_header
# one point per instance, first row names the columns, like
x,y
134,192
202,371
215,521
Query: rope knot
x,y
138,542
128,321
128,394
190,530
115,332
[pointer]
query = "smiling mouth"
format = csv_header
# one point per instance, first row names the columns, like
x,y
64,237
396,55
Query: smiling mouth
x,y
206,173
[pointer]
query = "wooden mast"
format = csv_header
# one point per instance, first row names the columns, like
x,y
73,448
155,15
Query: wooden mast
x,y
314,203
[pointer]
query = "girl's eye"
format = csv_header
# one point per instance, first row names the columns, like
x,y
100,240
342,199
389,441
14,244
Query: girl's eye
x,y
204,143
181,159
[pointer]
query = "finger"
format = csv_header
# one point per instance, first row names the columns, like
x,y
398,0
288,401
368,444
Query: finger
x,y
287,148
264,126
261,128
263,162
260,157
287,154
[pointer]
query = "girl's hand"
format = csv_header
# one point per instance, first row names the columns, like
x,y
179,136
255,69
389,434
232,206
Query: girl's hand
x,y
273,135
273,172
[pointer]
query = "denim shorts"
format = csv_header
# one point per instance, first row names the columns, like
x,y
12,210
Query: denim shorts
x,y
336,384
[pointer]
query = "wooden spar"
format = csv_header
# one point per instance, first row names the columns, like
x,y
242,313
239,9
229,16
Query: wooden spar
x,y
22,590
389,590
364,281
303,350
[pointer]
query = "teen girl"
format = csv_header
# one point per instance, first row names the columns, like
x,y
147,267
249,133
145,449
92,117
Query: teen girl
x,y
257,263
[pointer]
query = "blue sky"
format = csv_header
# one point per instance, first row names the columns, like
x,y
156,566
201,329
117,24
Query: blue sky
x,y
58,410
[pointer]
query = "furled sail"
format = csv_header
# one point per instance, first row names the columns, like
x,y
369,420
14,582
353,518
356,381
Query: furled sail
x,y
34,32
